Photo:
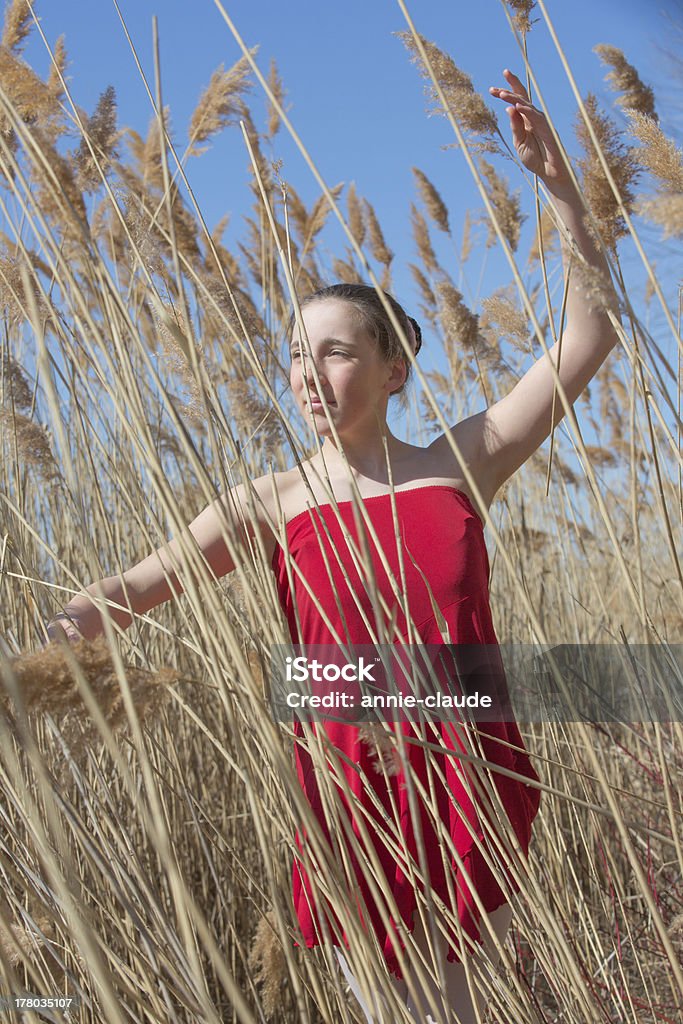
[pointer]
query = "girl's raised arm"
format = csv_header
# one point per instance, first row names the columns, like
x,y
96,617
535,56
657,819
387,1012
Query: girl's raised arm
x,y
497,441
154,580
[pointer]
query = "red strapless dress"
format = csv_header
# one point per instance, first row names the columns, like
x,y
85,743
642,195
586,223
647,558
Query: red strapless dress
x,y
443,542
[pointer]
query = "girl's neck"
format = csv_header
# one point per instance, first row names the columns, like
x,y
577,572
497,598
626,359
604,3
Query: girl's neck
x,y
368,460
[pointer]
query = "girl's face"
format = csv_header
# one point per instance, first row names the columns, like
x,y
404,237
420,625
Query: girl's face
x,y
354,378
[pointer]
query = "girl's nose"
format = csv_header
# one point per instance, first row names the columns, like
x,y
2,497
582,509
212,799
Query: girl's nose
x,y
308,373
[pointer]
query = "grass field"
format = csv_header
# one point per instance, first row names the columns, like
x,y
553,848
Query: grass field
x,y
148,799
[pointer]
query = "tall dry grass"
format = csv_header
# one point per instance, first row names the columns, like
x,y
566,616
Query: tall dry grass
x,y
149,800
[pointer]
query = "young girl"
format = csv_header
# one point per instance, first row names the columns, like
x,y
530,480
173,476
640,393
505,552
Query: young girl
x,y
421,529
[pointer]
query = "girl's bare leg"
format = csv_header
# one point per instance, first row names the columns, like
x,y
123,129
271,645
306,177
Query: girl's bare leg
x,y
379,1013
426,1004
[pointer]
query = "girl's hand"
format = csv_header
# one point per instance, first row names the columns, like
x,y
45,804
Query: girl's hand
x,y
533,138
60,628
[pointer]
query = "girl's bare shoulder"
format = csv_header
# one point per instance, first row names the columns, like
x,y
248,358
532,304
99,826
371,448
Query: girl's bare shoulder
x,y
276,497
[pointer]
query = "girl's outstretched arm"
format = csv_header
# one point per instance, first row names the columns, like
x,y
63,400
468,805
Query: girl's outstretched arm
x,y
499,440
154,580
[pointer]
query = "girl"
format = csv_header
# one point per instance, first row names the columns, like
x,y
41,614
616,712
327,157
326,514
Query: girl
x,y
412,513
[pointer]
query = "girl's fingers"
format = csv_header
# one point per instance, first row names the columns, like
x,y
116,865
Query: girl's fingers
x,y
511,97
519,130
519,86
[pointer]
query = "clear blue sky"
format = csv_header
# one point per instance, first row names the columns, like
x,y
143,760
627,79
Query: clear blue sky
x,y
352,92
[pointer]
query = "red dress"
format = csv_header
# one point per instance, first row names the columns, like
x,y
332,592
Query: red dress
x,y
442,533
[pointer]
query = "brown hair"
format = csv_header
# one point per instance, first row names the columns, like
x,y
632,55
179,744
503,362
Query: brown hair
x,y
374,319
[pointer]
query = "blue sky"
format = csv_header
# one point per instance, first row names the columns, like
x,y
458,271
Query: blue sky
x,y
352,93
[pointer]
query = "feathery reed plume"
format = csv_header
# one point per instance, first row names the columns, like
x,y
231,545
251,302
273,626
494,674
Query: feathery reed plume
x,y
522,13
218,258
34,102
25,939
32,443
502,319
623,167
458,323
276,87
505,204
422,238
13,304
386,756
428,305
16,390
253,415
666,210
150,152
296,210
267,960
18,24
355,212
466,106
53,83
59,194
320,212
47,683
659,154
436,208
346,270
175,342
466,246
378,246
221,104
264,166
625,79
101,131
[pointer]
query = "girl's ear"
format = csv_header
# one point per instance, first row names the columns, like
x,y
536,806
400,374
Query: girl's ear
x,y
399,372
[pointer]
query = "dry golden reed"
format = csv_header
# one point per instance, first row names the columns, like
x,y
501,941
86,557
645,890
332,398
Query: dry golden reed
x,y
276,87
100,129
31,442
48,684
522,13
320,212
502,319
17,25
459,324
251,414
17,392
666,210
422,238
623,167
34,103
466,244
625,79
436,208
346,271
428,298
385,755
378,247
506,205
355,212
476,120
660,155
267,961
55,76
221,104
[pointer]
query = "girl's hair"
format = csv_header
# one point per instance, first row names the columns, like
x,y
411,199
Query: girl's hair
x,y
373,318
